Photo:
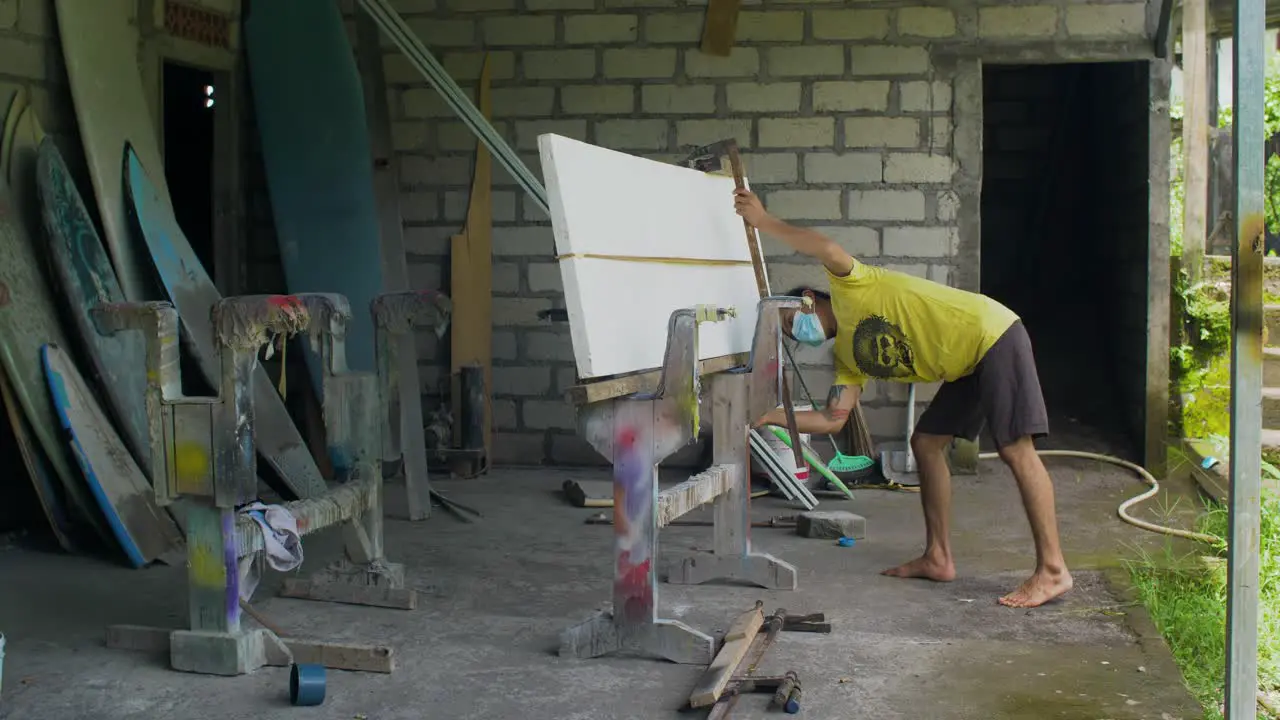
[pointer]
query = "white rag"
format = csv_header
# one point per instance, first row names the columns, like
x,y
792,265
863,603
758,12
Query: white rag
x,y
280,539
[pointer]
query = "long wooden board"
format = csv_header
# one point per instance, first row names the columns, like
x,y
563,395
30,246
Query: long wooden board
x,y
737,640
194,295
144,530
609,208
99,41
28,320
395,265
309,107
83,271
471,282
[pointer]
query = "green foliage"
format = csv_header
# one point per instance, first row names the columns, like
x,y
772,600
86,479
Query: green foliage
x,y
1270,99
1204,311
1186,595
1187,599
1177,194
1271,179
1271,125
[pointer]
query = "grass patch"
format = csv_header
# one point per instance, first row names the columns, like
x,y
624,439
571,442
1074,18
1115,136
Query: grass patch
x,y
1187,599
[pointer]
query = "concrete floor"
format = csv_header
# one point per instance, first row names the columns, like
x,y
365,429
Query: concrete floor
x,y
494,595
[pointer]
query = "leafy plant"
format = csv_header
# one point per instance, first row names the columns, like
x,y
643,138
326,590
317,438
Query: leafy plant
x,y
1271,126
1204,311
1186,596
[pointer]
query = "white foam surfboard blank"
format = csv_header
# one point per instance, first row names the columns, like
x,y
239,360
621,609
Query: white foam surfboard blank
x,y
605,202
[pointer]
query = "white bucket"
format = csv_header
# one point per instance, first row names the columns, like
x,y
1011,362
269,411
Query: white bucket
x,y
784,454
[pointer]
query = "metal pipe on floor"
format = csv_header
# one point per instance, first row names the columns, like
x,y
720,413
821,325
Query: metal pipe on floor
x,y
1249,55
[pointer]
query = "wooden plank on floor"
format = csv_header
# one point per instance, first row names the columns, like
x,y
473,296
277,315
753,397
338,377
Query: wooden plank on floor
x,y
717,676
138,637
342,656
351,594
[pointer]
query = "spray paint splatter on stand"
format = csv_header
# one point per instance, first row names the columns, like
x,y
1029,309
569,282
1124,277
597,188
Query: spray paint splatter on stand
x,y
633,525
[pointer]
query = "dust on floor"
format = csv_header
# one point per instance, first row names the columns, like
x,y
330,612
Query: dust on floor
x,y
493,597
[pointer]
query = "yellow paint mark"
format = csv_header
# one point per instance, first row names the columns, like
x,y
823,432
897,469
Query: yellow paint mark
x,y
206,568
191,466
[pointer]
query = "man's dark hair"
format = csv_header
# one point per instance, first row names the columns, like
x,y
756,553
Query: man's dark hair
x,y
800,291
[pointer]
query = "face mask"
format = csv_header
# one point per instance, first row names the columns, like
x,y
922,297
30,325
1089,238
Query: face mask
x,y
807,329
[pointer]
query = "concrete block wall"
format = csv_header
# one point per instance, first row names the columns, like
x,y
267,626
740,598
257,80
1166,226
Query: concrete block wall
x,y
845,115
31,58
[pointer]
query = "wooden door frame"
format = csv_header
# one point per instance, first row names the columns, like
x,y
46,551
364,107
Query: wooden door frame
x,y
159,46
963,66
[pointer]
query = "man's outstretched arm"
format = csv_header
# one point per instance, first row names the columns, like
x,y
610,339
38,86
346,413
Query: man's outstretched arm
x,y
802,240
840,402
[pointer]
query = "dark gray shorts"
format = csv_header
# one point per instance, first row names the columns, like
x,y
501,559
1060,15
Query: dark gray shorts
x,y
1003,390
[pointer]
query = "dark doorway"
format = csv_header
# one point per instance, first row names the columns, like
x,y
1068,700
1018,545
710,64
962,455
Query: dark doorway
x,y
1065,234
190,101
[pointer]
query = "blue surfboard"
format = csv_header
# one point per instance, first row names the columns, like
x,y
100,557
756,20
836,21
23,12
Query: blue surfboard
x,y
143,529
310,109
84,271
194,295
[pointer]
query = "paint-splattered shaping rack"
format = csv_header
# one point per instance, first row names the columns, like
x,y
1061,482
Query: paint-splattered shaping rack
x,y
625,228
221,541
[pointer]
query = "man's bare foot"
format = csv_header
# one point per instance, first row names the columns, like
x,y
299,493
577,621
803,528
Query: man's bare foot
x,y
1039,589
925,567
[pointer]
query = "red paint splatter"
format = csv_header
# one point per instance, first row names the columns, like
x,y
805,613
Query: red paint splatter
x,y
627,438
632,584
284,301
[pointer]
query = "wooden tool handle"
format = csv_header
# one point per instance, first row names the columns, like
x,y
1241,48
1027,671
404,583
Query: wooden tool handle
x,y
788,407
757,263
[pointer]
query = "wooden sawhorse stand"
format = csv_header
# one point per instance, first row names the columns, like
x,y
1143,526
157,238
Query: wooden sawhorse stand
x,y
202,453
395,317
635,433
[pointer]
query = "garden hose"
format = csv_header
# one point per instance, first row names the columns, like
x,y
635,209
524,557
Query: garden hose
x,y
1123,510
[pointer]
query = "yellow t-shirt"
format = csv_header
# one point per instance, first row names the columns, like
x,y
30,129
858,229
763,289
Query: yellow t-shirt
x,y
898,327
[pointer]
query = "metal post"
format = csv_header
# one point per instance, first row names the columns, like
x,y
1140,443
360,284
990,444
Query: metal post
x,y
1246,362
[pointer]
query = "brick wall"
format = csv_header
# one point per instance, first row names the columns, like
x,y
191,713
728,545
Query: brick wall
x,y
846,115
31,58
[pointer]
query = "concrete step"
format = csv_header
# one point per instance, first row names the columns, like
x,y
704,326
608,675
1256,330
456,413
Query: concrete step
x,y
1271,367
1271,441
1271,408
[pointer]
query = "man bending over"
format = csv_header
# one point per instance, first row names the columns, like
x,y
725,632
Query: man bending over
x,y
897,327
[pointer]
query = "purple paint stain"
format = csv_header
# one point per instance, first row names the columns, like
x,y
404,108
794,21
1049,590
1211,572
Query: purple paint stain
x,y
631,474
633,574
229,562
